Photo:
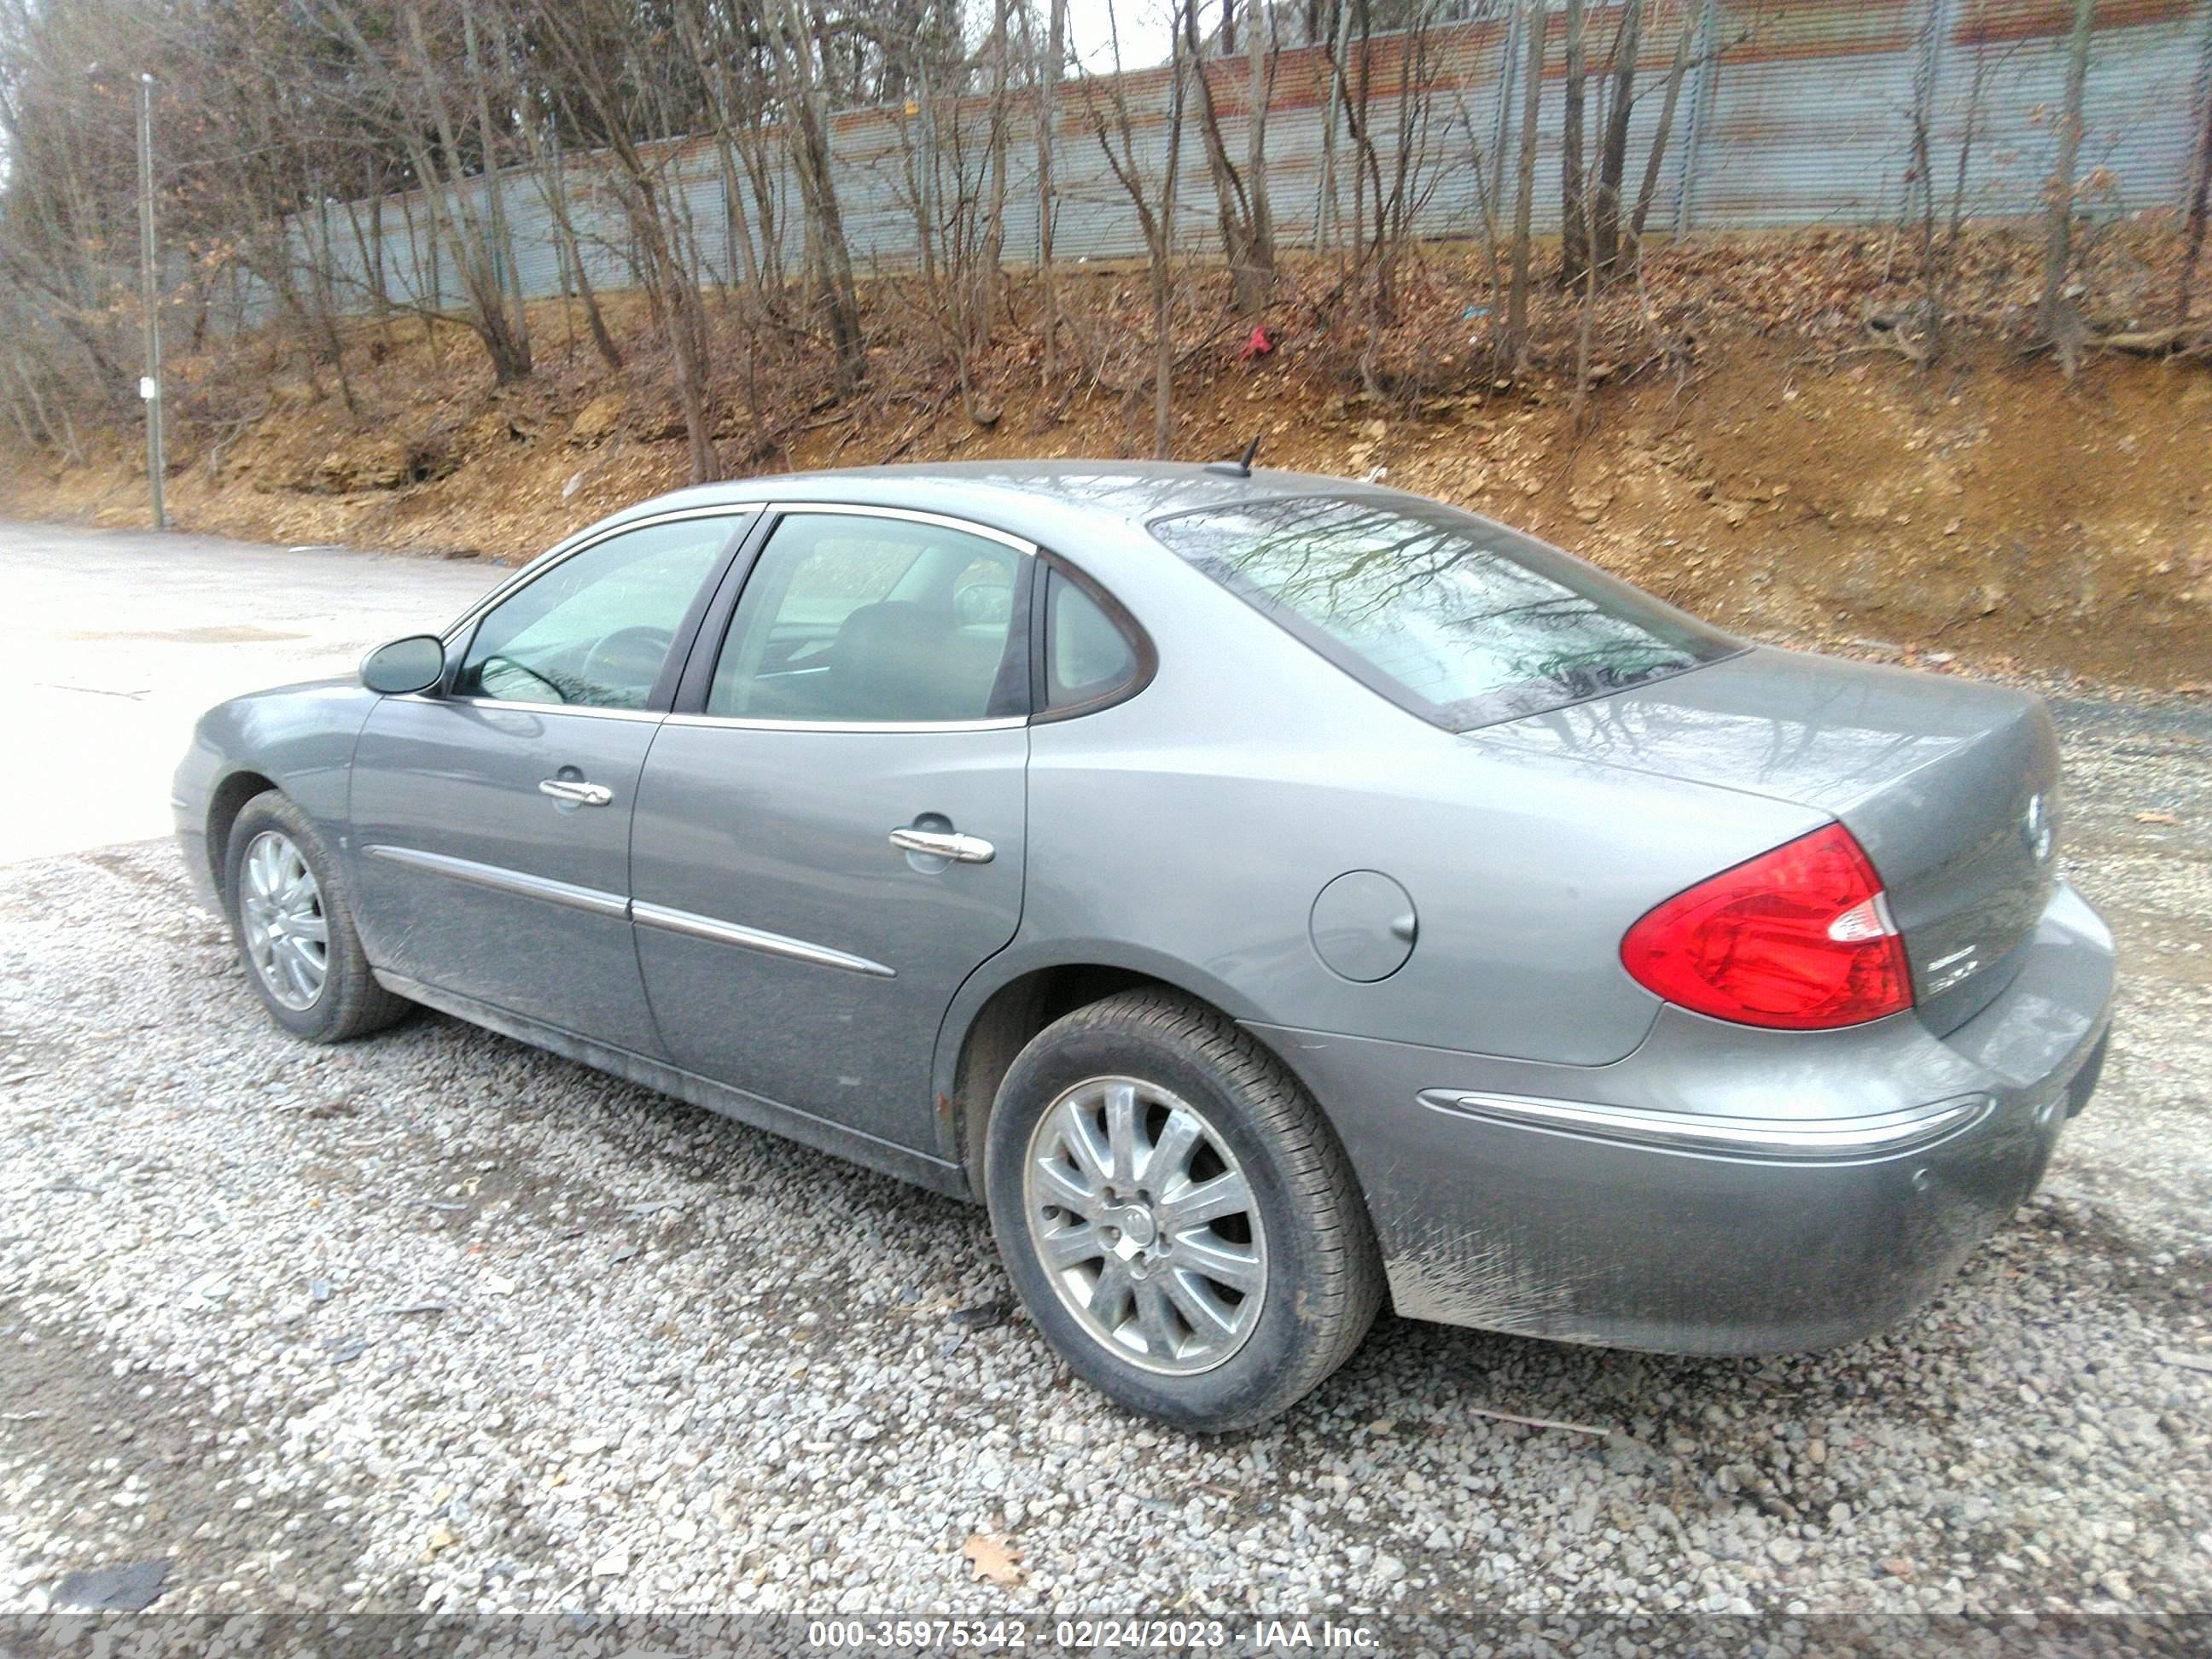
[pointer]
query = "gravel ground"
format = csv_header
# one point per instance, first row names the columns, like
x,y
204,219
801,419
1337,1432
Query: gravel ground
x,y
439,1322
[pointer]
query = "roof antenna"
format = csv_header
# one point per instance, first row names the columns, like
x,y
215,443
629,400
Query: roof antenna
x,y
1242,467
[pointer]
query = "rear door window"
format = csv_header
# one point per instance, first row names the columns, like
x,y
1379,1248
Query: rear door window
x,y
873,619
1458,620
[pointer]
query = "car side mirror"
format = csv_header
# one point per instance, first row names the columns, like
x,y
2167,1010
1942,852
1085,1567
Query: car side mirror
x,y
414,663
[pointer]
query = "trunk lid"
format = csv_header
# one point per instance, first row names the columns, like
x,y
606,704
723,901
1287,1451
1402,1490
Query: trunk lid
x,y
1951,786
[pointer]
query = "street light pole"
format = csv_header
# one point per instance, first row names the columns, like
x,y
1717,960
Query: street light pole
x,y
149,388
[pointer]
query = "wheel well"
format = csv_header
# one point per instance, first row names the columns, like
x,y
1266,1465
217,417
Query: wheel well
x,y
1017,1011
228,801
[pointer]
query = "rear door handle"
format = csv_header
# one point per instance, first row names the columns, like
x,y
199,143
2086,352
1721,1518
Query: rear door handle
x,y
961,849
576,793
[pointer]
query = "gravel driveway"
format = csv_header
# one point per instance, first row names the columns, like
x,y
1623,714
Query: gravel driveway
x,y
436,1321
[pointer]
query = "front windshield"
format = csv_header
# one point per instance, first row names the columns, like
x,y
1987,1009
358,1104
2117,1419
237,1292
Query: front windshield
x,y
1458,620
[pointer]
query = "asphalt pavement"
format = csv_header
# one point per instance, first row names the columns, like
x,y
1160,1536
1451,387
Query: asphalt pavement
x,y
119,639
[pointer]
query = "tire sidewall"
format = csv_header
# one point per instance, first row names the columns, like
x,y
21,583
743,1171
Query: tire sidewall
x,y
1243,1389
261,814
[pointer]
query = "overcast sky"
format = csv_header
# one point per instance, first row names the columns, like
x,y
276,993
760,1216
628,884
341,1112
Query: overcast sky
x,y
1143,26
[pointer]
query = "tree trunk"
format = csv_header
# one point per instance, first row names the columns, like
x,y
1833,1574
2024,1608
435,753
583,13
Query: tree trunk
x,y
1632,242
502,237
1574,218
818,190
552,169
2200,196
1233,205
1524,207
1329,209
1613,155
1056,54
565,230
1164,268
992,272
2056,316
507,345
1260,47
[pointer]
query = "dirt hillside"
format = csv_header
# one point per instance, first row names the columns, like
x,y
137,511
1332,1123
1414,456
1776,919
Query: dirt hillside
x,y
1771,465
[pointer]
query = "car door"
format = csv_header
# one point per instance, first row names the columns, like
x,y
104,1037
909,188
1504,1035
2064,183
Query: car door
x,y
490,819
829,831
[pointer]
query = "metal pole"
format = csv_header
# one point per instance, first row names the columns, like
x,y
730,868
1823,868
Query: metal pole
x,y
1703,72
149,388
1508,68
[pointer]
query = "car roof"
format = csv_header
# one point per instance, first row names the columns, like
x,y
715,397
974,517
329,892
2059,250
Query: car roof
x,y
1026,497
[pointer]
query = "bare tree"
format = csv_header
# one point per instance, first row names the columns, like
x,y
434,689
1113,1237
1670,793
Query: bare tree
x,y
1248,237
1631,241
954,156
2200,196
1050,64
589,41
407,94
552,170
2055,317
1574,215
1152,193
1605,210
1524,206
808,114
1261,47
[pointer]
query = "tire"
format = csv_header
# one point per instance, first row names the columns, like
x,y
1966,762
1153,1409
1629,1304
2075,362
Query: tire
x,y
1171,1332
346,1001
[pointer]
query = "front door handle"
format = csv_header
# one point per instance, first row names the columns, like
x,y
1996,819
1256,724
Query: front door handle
x,y
576,792
961,849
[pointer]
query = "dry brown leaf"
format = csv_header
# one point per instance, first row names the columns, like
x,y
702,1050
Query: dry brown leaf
x,y
995,1559
2156,817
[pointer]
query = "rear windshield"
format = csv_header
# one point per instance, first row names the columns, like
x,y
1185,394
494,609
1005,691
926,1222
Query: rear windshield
x,y
1458,620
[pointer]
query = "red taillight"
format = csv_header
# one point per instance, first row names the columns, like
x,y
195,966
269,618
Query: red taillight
x,y
1799,938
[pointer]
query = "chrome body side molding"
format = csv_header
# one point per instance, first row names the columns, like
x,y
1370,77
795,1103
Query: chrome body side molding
x,y
1881,1135
753,938
503,880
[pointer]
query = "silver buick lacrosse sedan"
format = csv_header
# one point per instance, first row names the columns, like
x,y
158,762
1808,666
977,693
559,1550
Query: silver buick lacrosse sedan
x,y
1269,895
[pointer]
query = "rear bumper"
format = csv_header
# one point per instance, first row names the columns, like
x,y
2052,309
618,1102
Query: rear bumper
x,y
1722,1189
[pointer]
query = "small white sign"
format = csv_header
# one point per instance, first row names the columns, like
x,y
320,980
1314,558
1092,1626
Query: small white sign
x,y
148,387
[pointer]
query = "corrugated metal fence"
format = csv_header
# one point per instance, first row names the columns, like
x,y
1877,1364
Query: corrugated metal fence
x,y
1793,112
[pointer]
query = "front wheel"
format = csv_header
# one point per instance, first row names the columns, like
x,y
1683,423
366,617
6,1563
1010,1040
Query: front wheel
x,y
294,928
1177,1215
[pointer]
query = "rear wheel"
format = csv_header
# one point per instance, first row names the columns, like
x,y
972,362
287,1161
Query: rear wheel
x,y
1177,1215
295,929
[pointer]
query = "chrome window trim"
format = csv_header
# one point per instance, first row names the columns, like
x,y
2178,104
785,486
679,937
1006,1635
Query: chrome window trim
x,y
561,552
1878,1135
500,879
753,938
1004,723
916,515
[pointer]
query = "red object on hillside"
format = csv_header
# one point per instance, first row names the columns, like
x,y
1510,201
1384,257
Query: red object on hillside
x,y
1258,346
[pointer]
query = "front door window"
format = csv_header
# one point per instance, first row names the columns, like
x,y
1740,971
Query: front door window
x,y
594,631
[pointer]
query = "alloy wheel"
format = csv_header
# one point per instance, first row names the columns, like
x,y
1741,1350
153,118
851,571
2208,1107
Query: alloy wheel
x,y
281,914
1145,1224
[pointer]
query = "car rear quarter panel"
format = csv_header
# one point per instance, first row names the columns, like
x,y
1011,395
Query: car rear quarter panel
x,y
1196,824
